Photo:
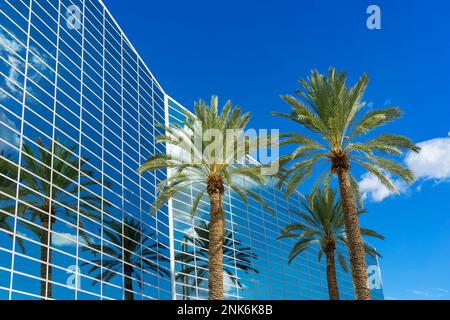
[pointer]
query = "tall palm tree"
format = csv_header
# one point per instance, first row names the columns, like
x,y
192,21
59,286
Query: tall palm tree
x,y
134,247
322,224
332,112
51,174
235,253
192,163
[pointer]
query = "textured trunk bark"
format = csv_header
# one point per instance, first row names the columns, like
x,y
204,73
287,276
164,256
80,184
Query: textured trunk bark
x,y
43,266
46,258
354,239
333,289
50,270
128,282
185,278
216,247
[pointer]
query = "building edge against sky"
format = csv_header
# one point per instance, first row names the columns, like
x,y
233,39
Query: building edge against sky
x,y
69,75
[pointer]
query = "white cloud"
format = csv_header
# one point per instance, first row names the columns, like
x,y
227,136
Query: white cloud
x,y
190,232
12,44
433,160
6,134
13,75
16,64
372,189
228,285
429,294
431,163
66,240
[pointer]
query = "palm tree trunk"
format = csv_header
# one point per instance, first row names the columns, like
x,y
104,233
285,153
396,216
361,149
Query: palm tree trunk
x,y
354,239
128,272
46,258
50,269
43,266
185,278
333,289
216,247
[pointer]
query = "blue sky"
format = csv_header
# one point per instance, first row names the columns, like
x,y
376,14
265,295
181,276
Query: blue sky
x,y
253,51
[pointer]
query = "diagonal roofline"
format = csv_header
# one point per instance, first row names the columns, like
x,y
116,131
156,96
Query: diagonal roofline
x,y
122,33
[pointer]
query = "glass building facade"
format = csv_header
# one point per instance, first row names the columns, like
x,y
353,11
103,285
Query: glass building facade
x,y
78,115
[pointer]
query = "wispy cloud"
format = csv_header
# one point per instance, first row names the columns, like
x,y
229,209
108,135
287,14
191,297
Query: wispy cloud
x,y
10,43
6,134
8,47
436,293
14,64
66,240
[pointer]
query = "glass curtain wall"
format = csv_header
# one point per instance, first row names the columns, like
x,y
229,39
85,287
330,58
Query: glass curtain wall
x,y
78,110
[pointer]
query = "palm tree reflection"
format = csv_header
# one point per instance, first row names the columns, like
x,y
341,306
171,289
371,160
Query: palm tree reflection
x,y
195,262
134,249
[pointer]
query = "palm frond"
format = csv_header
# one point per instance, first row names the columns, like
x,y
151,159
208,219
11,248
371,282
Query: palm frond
x,y
376,118
379,174
321,224
342,262
205,160
371,233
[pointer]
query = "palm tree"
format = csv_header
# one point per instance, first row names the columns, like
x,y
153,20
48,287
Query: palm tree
x,y
8,188
56,164
322,224
331,111
235,253
192,161
133,248
9,172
